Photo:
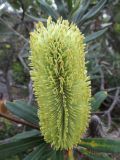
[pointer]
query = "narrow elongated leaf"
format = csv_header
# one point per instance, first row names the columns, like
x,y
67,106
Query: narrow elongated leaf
x,y
93,47
97,100
101,145
98,157
95,35
59,155
80,11
94,156
23,110
69,3
76,6
96,9
61,8
47,9
43,152
26,134
33,155
38,153
49,153
36,18
14,147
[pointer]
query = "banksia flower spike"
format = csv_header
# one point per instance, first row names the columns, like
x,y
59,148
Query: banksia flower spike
x,y
60,81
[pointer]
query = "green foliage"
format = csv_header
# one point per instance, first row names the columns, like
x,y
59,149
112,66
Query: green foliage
x,y
13,158
83,6
26,140
61,8
69,4
95,35
101,145
19,75
7,129
43,152
97,100
17,4
117,27
47,9
23,110
94,155
25,134
5,55
14,147
93,11
80,14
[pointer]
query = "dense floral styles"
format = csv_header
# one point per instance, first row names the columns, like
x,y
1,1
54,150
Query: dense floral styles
x,y
60,81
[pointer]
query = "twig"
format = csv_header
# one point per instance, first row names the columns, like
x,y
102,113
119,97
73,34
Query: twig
x,y
102,86
108,112
98,113
114,101
18,121
18,34
36,19
23,8
112,97
7,78
111,89
19,86
30,92
21,58
102,80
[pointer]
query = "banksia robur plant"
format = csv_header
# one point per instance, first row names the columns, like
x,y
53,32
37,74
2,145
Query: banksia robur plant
x,y
60,81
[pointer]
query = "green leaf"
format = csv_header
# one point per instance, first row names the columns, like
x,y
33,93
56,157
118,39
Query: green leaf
x,y
36,18
95,10
101,145
15,5
69,3
26,134
23,110
92,48
61,7
97,100
73,11
80,11
59,155
94,155
27,3
13,147
38,153
95,35
33,155
43,152
47,9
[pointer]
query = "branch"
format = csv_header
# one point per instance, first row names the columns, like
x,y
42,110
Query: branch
x,y
30,89
111,89
114,101
23,8
108,112
102,80
20,57
18,121
18,34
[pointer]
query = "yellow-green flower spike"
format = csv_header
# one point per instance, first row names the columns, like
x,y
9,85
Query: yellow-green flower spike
x,y
60,81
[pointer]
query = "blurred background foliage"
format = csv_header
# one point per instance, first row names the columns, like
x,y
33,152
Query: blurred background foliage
x,y
99,20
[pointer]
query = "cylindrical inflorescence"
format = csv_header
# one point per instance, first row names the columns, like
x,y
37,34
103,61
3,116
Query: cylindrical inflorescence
x,y
60,82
